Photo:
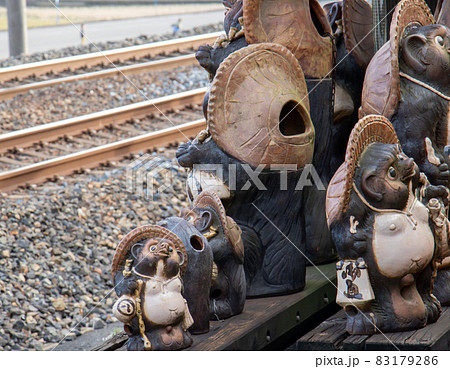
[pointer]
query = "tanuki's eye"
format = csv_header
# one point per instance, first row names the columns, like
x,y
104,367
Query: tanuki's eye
x,y
153,248
392,173
439,40
170,249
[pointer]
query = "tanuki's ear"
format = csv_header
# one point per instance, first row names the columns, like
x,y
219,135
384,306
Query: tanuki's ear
x,y
369,185
414,51
206,220
136,250
181,258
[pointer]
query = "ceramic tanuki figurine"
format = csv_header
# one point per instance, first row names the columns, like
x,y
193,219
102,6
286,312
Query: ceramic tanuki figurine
x,y
211,57
408,82
228,290
146,269
269,109
378,213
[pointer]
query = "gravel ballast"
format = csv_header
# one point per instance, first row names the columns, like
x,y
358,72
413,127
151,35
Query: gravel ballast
x,y
57,241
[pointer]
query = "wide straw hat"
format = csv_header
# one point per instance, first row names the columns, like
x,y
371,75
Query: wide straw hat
x,y
299,25
212,201
258,109
370,129
145,232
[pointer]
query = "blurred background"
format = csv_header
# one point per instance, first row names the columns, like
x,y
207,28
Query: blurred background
x,y
50,25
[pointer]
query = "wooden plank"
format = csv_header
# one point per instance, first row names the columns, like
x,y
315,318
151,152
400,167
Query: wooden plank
x,y
434,336
264,320
354,342
113,344
327,336
331,335
267,319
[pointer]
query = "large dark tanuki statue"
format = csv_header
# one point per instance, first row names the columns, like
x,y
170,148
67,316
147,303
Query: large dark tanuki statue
x,y
269,109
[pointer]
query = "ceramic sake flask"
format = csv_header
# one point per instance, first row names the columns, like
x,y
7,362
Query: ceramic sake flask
x,y
388,226
147,269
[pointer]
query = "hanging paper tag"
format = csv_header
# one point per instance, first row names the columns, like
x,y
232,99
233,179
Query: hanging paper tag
x,y
353,283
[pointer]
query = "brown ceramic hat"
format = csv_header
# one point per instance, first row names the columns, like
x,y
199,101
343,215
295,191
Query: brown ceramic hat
x,y
231,229
143,233
253,90
358,30
299,25
370,129
381,91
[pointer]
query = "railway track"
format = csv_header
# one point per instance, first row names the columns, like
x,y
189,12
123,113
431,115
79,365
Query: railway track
x,y
134,59
36,154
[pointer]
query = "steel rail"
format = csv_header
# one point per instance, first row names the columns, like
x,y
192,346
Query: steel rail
x,y
46,132
91,59
155,65
67,164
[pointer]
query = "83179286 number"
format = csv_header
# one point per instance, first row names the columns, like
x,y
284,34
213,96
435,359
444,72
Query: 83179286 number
x,y
406,360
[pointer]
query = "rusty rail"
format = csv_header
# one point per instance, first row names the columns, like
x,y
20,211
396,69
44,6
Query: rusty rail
x,y
164,64
49,131
67,164
91,59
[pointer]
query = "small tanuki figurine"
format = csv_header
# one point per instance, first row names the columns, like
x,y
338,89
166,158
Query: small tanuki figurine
x,y
228,289
146,270
385,218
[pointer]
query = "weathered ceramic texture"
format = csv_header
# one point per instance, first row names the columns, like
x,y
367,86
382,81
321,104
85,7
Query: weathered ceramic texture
x,y
377,218
290,23
146,271
358,30
228,291
268,78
